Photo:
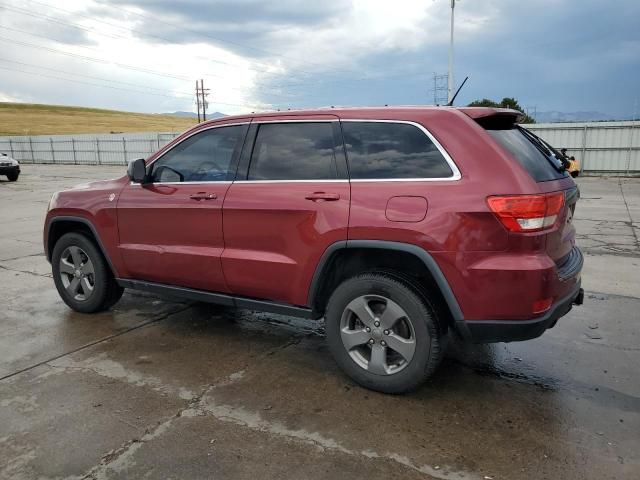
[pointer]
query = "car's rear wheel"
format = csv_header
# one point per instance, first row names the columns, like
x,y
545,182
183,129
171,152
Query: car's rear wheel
x,y
12,176
575,173
81,275
383,333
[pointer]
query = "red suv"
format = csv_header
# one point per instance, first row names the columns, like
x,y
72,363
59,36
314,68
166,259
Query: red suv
x,y
397,225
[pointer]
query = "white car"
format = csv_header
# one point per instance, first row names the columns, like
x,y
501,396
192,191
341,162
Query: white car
x,y
9,167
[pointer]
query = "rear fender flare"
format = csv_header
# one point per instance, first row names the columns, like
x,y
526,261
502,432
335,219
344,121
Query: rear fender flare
x,y
415,250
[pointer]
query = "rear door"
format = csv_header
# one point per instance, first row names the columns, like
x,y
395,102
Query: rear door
x,y
171,229
288,204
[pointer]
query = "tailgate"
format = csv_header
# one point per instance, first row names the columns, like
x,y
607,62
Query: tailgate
x,y
561,240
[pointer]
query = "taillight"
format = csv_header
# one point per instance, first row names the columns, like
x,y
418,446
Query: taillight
x,y
527,213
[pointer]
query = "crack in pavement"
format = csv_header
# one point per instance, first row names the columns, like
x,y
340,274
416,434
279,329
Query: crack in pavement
x,y
624,199
203,404
116,458
95,342
45,275
41,254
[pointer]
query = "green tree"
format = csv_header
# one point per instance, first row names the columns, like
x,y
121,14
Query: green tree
x,y
507,102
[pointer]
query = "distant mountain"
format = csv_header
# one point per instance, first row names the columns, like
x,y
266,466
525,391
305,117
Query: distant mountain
x,y
195,115
555,116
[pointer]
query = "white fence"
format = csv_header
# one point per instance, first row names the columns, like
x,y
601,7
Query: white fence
x,y
601,147
84,149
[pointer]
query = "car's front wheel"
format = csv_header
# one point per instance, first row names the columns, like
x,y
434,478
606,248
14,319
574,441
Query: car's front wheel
x,y
12,177
81,275
383,333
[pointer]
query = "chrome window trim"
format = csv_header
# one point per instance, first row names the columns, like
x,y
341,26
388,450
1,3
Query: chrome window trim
x,y
456,175
209,127
306,120
216,182
454,168
337,180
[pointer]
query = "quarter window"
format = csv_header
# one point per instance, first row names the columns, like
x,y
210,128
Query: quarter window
x,y
293,151
204,157
383,150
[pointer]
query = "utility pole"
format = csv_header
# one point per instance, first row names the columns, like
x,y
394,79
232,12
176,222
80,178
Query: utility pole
x,y
204,92
198,99
451,82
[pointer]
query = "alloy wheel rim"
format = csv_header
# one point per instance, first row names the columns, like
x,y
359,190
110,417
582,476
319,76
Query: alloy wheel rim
x,y
77,273
378,334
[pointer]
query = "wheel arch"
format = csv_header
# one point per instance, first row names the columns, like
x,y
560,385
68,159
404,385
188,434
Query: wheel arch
x,y
329,273
58,226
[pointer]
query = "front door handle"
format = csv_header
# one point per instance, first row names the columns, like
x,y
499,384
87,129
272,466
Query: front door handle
x,y
327,197
203,196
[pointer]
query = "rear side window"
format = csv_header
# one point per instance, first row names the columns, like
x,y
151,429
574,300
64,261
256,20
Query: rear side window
x,y
542,166
383,150
293,151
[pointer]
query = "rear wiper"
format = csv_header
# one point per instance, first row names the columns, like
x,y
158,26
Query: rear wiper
x,y
539,144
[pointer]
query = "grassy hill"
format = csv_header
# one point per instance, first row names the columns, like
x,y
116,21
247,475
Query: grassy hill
x,y
34,119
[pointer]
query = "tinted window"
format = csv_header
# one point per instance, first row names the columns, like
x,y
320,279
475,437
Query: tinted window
x,y
204,157
392,150
293,151
541,167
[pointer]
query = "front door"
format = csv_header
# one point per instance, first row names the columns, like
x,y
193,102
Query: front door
x,y
171,229
286,207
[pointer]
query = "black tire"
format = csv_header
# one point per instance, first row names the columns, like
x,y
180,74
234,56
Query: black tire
x,y
106,292
575,173
13,176
427,332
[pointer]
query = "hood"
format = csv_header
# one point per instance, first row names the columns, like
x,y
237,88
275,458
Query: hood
x,y
8,159
111,183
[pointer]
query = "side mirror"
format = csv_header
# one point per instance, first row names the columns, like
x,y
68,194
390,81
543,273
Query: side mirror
x,y
137,170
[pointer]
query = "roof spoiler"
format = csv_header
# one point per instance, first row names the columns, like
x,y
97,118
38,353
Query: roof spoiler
x,y
490,117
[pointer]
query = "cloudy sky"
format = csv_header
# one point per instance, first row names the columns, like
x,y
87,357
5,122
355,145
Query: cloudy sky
x,y
145,55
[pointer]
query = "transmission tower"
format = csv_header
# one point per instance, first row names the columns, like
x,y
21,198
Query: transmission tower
x,y
440,88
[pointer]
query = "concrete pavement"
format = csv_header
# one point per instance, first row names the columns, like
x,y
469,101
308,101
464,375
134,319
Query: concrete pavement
x,y
162,389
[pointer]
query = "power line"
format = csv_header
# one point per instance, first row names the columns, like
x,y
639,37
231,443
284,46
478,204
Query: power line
x,y
89,83
270,87
204,93
254,107
86,76
269,72
93,59
131,67
218,39
115,36
198,99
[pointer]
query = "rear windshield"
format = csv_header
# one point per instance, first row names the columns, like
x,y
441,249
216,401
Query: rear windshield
x,y
528,149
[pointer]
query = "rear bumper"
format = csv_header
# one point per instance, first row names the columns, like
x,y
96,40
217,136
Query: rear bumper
x,y
491,331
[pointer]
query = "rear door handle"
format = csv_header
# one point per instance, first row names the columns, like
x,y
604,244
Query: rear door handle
x,y
327,197
203,196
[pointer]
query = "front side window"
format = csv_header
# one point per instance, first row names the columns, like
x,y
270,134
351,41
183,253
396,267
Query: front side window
x,y
293,151
204,157
386,150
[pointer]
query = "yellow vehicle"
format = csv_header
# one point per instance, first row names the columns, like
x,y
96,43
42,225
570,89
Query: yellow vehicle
x,y
574,167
